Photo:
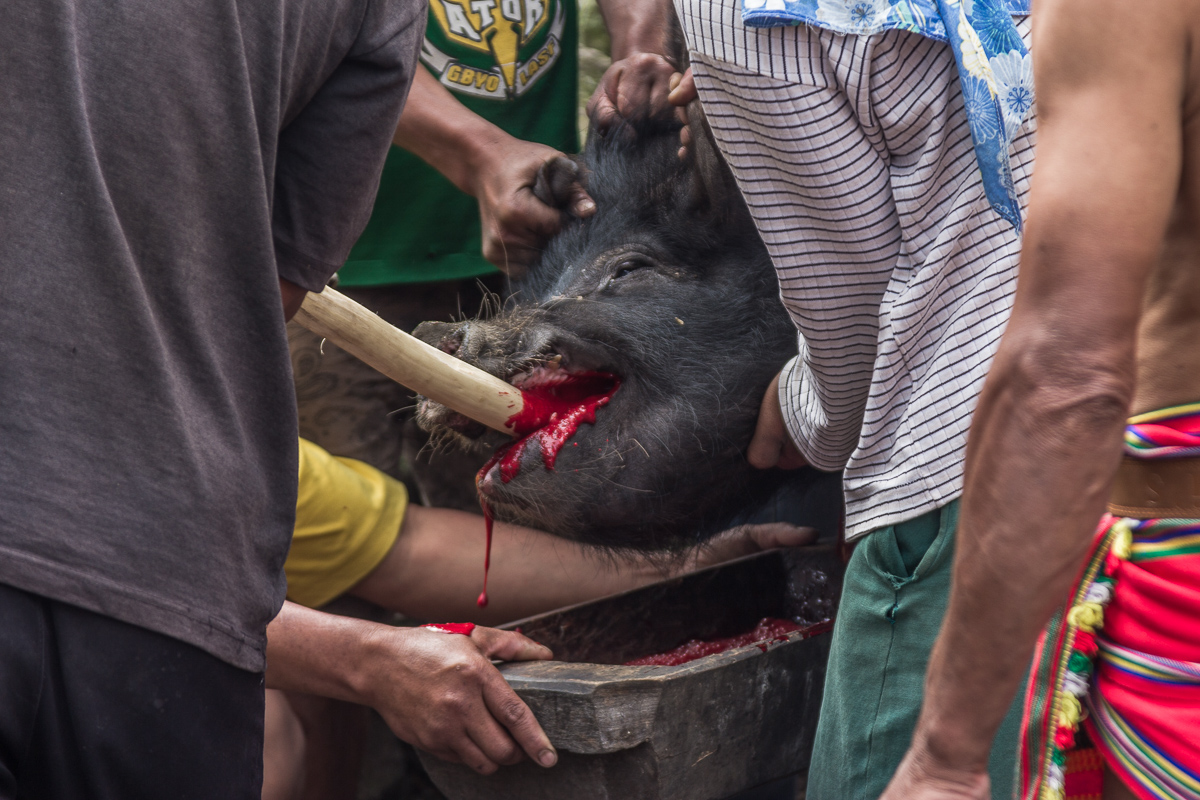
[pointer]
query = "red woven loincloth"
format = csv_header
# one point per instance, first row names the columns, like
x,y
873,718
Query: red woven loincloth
x,y
1123,657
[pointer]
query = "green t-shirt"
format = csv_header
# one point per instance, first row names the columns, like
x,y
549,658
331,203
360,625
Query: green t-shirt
x,y
514,63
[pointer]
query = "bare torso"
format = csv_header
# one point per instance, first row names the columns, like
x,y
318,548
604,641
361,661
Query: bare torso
x,y
1168,357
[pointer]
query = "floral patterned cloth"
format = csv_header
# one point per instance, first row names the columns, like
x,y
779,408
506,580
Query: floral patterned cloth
x,y
994,66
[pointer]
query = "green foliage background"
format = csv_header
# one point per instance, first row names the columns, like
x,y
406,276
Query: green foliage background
x,y
594,49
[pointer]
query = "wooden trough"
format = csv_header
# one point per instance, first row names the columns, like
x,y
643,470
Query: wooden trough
x,y
704,730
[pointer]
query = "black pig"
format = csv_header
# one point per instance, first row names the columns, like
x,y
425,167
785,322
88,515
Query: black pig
x,y
669,288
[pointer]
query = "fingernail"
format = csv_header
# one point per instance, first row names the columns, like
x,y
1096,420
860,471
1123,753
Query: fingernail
x,y
587,206
547,758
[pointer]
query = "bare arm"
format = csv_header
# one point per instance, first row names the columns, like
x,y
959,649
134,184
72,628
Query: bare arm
x,y
495,168
1045,442
435,568
435,690
292,296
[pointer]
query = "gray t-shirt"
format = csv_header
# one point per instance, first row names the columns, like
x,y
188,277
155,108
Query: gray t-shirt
x,y
162,164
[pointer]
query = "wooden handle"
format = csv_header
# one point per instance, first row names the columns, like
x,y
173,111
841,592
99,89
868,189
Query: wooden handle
x,y
426,370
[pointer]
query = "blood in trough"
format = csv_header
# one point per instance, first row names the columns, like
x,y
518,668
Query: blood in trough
x,y
554,404
767,632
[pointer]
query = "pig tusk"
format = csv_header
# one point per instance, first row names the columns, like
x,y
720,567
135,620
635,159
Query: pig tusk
x,y
426,370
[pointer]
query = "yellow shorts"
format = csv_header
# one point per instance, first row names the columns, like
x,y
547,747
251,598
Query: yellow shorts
x,y
348,515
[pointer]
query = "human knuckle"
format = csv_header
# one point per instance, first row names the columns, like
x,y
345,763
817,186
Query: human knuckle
x,y
508,753
662,66
512,710
435,738
467,669
461,702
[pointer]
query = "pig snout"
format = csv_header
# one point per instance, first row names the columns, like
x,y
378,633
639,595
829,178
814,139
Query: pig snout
x,y
449,337
445,336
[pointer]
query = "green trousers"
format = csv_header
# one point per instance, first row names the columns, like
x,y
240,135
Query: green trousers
x,y
896,589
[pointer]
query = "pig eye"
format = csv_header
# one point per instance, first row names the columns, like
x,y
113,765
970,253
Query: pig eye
x,y
629,265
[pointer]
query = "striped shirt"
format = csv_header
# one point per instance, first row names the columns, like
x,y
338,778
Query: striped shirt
x,y
856,160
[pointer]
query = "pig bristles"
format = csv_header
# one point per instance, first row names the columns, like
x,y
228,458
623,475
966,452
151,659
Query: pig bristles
x,y
490,304
402,409
628,488
644,451
444,440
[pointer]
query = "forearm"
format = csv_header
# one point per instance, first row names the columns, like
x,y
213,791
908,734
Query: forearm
x,y
1045,441
435,570
1044,448
446,134
317,653
638,26
292,296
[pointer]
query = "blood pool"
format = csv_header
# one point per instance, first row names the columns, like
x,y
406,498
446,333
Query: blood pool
x,y
767,632
555,403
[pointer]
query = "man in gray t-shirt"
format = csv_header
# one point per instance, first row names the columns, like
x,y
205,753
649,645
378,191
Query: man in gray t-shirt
x,y
165,169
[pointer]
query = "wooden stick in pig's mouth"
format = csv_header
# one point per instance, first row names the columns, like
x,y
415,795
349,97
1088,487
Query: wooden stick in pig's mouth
x,y
426,370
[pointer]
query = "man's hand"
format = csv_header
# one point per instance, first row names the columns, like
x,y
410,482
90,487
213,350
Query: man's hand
x,y
919,777
746,540
440,692
516,224
683,92
633,87
436,690
495,168
772,446
637,82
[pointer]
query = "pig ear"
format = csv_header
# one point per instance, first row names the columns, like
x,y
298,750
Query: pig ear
x,y
560,183
714,189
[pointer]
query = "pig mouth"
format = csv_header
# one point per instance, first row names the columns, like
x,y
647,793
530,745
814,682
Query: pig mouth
x,y
556,402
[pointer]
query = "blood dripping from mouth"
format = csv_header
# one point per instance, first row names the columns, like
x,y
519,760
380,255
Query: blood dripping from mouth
x,y
550,414
488,522
767,632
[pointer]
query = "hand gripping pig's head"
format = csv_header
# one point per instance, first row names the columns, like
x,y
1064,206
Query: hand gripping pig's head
x,y
658,318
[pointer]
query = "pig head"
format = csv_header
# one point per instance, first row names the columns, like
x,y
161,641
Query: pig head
x,y
669,288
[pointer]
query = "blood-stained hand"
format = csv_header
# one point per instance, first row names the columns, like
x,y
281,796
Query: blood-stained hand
x,y
632,87
440,692
772,445
516,224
